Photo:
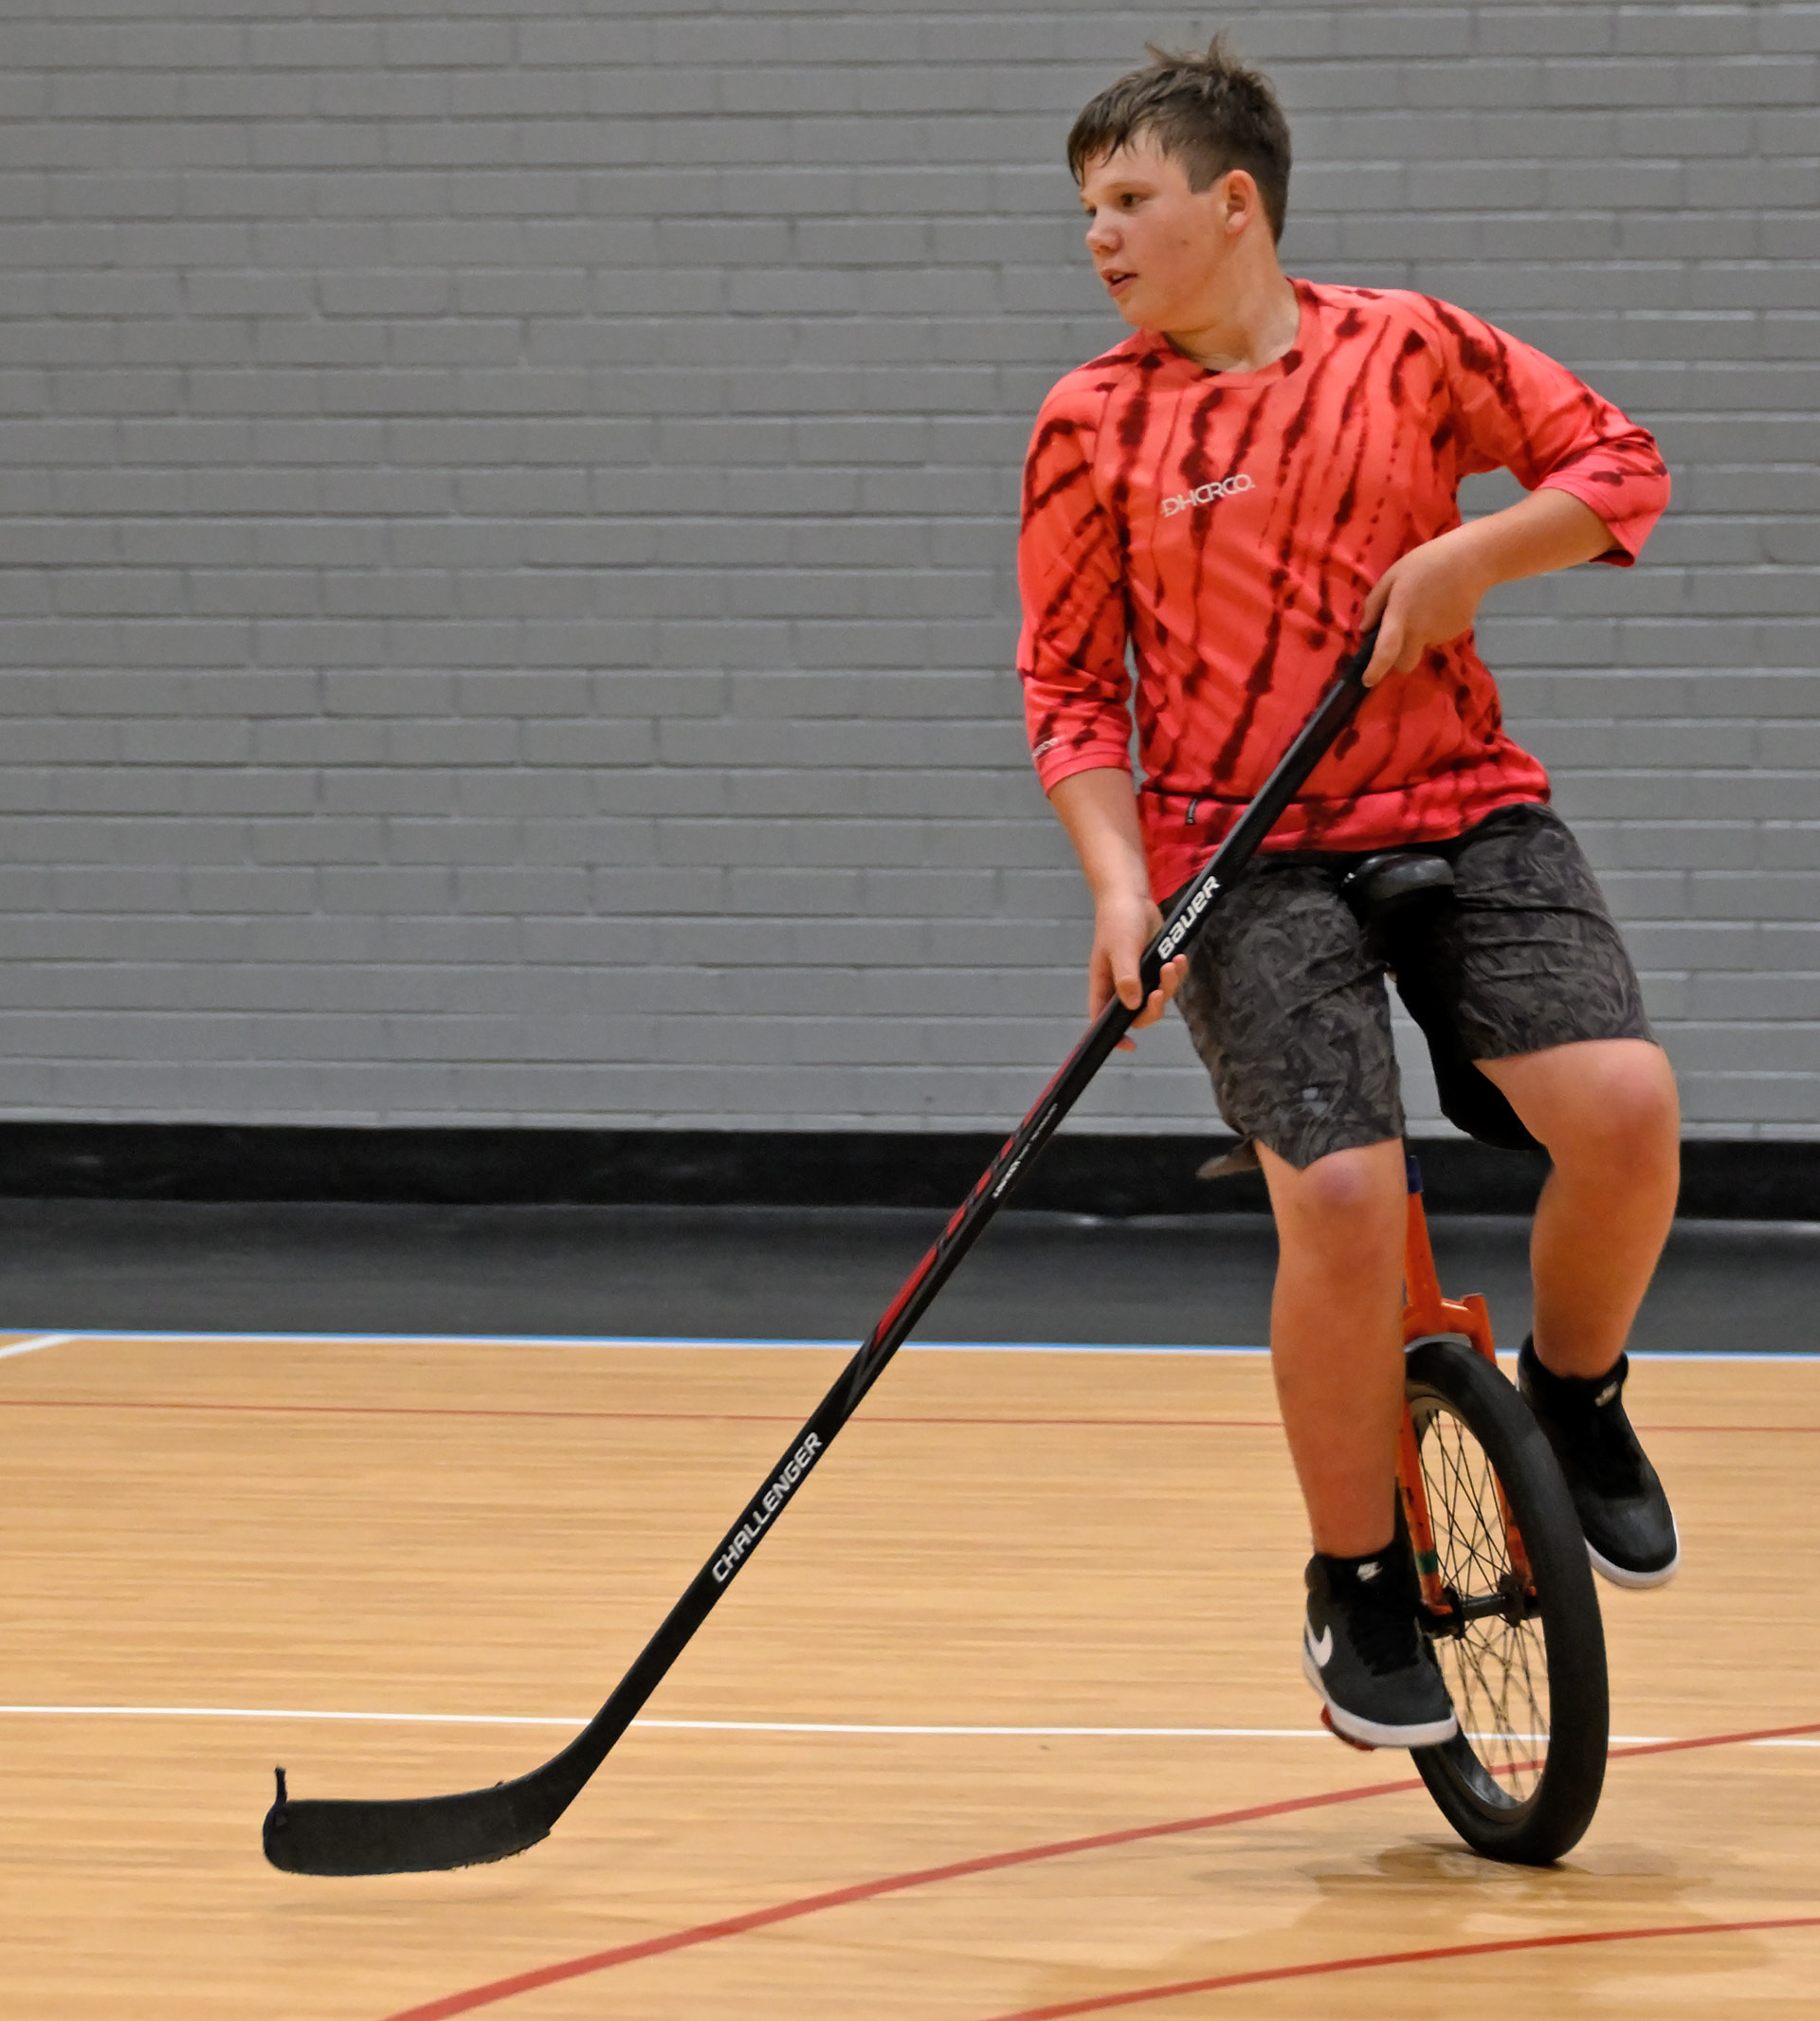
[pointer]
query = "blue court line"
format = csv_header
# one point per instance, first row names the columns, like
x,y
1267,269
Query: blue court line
x,y
645,1340
1712,1354
684,1341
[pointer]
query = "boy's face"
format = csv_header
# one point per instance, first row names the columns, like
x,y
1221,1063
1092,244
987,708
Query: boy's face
x,y
1160,248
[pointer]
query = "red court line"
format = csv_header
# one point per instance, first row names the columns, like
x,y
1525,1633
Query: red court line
x,y
718,1417
1719,1739
1104,2002
704,1933
664,1417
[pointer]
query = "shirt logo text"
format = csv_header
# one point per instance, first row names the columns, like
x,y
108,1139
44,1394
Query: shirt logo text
x,y
1224,487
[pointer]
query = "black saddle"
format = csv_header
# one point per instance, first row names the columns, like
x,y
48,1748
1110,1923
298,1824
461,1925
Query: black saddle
x,y
1398,897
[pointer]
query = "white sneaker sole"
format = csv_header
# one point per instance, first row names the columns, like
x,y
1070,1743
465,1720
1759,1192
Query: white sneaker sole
x,y
1637,1581
1368,1732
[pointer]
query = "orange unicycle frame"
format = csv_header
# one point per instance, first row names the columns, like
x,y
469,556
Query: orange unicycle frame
x,y
1424,1314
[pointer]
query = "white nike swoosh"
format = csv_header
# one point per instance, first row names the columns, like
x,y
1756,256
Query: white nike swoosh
x,y
1320,1650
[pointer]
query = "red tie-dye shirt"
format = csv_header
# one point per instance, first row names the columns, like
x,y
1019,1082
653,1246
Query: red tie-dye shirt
x,y
1227,528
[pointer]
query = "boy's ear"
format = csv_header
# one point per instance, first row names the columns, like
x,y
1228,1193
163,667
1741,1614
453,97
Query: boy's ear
x,y
1239,200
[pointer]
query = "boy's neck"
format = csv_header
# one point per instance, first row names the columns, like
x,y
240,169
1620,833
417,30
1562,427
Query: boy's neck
x,y
1253,324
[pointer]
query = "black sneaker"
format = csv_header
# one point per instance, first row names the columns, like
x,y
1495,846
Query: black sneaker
x,y
1363,1653
1631,1534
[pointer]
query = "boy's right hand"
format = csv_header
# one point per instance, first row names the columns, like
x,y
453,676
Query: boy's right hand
x,y
1098,807
1125,923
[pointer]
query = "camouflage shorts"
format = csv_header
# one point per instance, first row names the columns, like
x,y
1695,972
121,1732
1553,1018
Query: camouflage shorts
x,y
1286,1004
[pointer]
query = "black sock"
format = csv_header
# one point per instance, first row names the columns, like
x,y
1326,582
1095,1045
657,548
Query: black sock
x,y
1378,1570
1569,1389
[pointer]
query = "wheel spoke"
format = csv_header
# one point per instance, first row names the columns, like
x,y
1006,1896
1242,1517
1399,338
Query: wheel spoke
x,y
1497,1670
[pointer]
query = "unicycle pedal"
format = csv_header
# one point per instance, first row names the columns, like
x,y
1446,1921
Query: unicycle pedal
x,y
1345,1739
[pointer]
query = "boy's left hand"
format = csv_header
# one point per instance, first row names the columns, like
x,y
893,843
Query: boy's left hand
x,y
1427,597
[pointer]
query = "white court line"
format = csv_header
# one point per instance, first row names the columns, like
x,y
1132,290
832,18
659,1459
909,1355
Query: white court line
x,y
810,1727
683,1342
38,1341
817,1726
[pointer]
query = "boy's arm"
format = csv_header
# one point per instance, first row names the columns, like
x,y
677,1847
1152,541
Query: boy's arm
x,y
1098,809
1071,658
1596,482
1431,595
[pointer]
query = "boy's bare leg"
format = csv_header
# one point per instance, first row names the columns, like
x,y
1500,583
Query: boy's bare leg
x,y
1336,1336
1606,1111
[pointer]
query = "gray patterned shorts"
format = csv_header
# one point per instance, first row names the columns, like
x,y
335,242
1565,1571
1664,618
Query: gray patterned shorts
x,y
1285,999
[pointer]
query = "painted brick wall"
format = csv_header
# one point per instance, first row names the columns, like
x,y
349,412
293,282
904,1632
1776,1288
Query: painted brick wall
x,y
506,517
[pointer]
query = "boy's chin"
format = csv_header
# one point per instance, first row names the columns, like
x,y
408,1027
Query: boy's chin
x,y
1145,312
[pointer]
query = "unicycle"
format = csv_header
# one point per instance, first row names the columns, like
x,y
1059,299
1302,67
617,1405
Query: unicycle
x,y
1508,1605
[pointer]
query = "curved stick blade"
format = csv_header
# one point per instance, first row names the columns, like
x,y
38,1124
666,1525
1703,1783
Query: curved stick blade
x,y
412,1834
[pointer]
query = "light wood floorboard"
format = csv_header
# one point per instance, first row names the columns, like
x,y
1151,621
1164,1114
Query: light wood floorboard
x,y
998,1540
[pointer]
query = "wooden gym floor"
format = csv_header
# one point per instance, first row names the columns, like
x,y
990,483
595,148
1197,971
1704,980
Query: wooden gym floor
x,y
1005,1720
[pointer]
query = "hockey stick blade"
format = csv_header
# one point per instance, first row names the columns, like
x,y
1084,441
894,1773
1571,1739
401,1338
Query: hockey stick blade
x,y
424,1835
409,1834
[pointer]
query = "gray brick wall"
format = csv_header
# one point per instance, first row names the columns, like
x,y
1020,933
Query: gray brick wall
x,y
506,519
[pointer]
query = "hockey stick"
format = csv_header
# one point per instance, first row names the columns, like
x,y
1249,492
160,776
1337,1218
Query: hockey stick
x,y
418,1835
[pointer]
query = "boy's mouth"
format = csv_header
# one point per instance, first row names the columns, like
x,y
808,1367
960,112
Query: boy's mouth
x,y
1116,278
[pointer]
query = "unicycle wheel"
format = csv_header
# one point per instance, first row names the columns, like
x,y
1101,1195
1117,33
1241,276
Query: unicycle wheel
x,y
1523,1656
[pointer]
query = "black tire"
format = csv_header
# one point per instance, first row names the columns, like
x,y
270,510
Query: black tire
x,y
1521,1778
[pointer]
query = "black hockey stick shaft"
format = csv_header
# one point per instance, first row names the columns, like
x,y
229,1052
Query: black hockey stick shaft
x,y
417,1834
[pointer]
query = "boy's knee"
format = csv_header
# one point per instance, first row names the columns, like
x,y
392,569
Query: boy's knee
x,y
1639,1120
1347,1201
1623,1111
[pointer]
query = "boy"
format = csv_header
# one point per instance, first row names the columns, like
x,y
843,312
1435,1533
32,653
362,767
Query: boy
x,y
1238,492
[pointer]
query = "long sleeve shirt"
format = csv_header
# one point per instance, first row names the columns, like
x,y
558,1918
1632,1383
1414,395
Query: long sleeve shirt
x,y
1221,530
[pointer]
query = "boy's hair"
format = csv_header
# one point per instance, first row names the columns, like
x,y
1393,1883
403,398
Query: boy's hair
x,y
1208,112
